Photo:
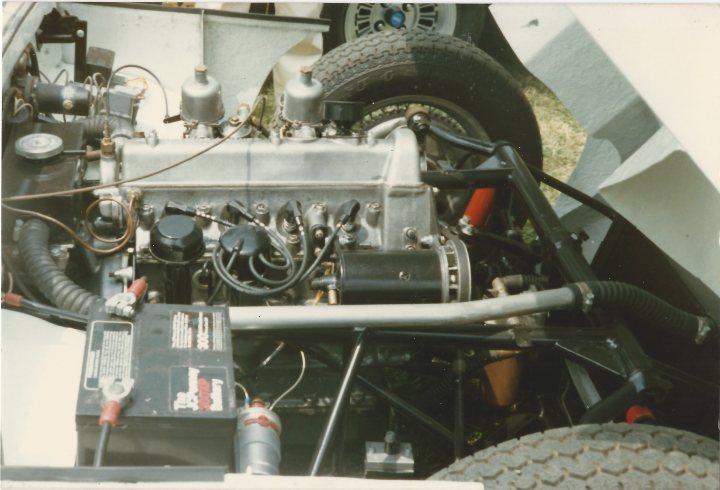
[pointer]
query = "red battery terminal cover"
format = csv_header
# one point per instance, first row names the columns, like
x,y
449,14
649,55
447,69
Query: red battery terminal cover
x,y
115,396
13,299
123,304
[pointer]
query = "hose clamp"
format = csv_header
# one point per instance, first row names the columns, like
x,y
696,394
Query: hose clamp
x,y
586,295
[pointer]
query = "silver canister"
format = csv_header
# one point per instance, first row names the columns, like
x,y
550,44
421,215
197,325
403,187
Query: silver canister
x,y
257,442
201,98
303,99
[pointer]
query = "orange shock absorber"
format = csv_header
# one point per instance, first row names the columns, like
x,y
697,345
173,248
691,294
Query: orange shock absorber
x,y
478,209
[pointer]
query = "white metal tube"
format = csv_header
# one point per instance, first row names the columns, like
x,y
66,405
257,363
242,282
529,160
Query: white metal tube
x,y
267,318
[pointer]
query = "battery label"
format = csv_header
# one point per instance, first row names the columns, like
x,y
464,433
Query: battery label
x,y
197,389
109,352
201,330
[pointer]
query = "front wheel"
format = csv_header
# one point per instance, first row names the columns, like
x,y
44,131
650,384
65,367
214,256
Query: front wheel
x,y
595,456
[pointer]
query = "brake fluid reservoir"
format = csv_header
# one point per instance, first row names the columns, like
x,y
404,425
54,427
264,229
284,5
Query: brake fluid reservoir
x,y
257,443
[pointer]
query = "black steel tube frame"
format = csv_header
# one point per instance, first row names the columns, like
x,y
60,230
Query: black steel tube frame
x,y
622,356
506,167
339,403
460,368
390,398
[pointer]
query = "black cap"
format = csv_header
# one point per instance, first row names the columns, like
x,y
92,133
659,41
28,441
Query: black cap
x,y
344,113
177,238
250,240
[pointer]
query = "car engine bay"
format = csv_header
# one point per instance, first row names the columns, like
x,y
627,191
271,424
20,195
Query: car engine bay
x,y
309,296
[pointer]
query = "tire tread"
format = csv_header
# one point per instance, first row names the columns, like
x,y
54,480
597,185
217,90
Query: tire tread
x,y
595,456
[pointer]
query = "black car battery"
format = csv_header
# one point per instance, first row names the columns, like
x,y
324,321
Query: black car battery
x,y
182,407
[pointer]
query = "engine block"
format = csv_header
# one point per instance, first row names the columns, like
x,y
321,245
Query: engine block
x,y
384,176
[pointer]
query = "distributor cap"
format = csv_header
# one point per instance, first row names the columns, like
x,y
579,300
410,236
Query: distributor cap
x,y
248,239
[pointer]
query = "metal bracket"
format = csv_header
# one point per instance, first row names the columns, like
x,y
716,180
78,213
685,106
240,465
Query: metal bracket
x,y
57,28
605,355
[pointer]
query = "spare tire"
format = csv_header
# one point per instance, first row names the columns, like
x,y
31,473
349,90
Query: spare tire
x,y
462,87
595,456
349,21
433,68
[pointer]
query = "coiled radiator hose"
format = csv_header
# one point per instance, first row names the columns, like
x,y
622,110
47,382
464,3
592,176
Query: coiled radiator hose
x,y
45,274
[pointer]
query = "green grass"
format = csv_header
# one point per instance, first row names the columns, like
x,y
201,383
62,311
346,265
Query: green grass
x,y
563,138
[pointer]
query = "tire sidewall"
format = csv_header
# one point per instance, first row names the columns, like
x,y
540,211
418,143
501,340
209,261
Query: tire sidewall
x,y
469,79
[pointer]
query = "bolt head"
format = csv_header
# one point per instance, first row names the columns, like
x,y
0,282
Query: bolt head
x,y
67,104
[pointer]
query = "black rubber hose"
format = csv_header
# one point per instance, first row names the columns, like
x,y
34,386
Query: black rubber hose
x,y
48,278
95,127
641,304
611,406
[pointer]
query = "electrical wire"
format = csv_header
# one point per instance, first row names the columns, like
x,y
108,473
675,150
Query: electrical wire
x,y
268,263
45,77
260,277
60,73
215,292
16,279
128,235
139,67
47,312
223,271
102,444
281,346
90,228
321,256
80,190
245,391
221,284
11,283
297,382
20,107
